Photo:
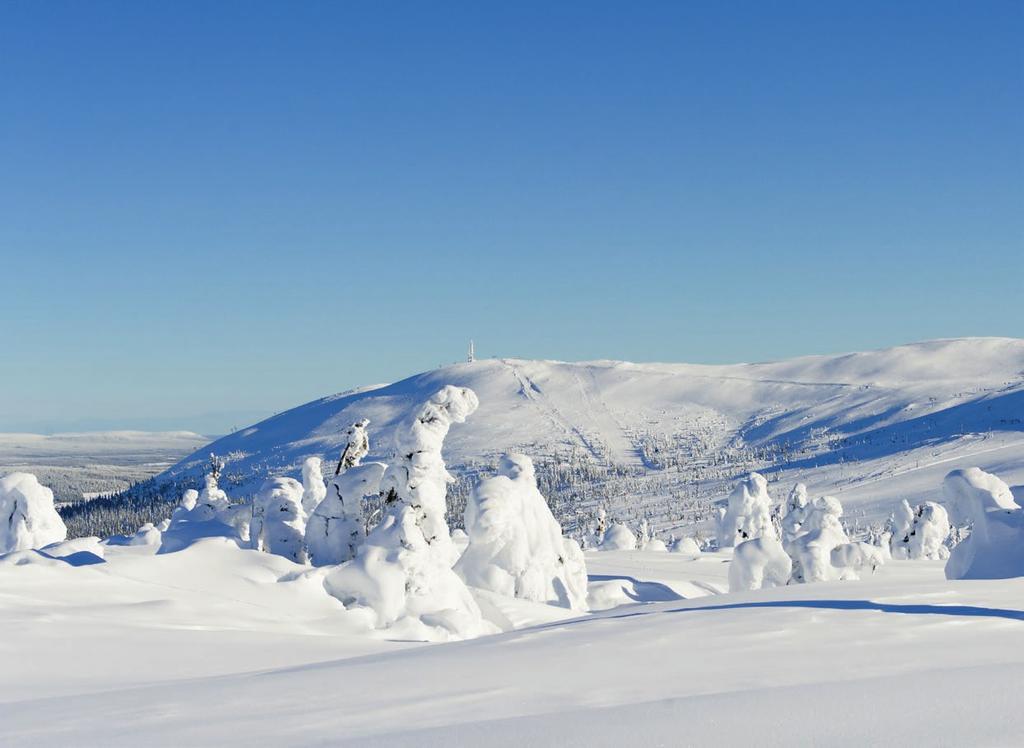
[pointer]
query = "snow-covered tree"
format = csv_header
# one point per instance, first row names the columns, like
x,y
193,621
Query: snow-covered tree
x,y
995,547
278,522
27,516
618,537
313,488
335,529
811,550
759,563
748,514
926,535
796,512
516,546
211,500
403,572
357,446
901,524
850,558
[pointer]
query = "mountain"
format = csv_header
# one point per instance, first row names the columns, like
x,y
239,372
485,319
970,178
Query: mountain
x,y
786,416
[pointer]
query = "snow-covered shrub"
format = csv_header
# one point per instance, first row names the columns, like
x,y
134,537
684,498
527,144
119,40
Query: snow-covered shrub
x,y
811,550
211,500
758,563
313,488
618,537
335,529
927,538
850,558
403,572
357,446
27,517
278,521
148,534
796,512
655,544
995,547
748,514
685,545
516,546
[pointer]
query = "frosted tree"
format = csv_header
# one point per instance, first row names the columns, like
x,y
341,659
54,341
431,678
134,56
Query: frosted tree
x,y
28,518
357,446
403,572
336,529
211,499
278,522
748,514
995,547
516,546
313,488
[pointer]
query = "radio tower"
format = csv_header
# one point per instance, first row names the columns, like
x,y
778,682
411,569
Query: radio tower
x,y
471,356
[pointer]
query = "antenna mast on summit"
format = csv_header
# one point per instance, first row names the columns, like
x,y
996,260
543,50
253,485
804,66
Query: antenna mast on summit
x,y
471,356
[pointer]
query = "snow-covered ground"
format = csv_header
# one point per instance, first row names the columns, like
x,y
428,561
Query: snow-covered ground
x,y
214,645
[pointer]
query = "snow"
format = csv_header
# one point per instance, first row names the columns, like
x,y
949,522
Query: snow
x,y
27,517
516,548
759,563
335,529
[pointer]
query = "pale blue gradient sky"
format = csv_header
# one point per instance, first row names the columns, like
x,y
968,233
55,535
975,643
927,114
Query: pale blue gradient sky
x,y
209,213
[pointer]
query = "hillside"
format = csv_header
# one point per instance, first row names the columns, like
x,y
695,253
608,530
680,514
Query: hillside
x,y
681,428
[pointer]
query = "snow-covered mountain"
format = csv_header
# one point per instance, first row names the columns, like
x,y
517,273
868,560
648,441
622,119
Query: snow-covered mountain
x,y
803,412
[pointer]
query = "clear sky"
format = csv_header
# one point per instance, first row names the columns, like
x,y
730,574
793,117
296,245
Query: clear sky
x,y
212,211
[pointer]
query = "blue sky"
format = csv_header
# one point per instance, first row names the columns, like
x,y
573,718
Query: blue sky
x,y
210,211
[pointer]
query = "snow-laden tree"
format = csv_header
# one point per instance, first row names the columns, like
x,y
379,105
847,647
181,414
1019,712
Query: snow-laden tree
x,y
618,537
924,536
811,550
357,446
516,546
995,547
759,563
749,513
27,516
313,488
796,512
901,524
278,522
403,572
335,529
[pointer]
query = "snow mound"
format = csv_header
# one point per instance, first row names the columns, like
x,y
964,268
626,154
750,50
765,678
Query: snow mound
x,y
685,545
516,546
995,547
27,516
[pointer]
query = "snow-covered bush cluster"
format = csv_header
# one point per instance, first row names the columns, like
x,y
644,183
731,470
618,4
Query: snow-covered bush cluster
x,y
814,546
919,533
